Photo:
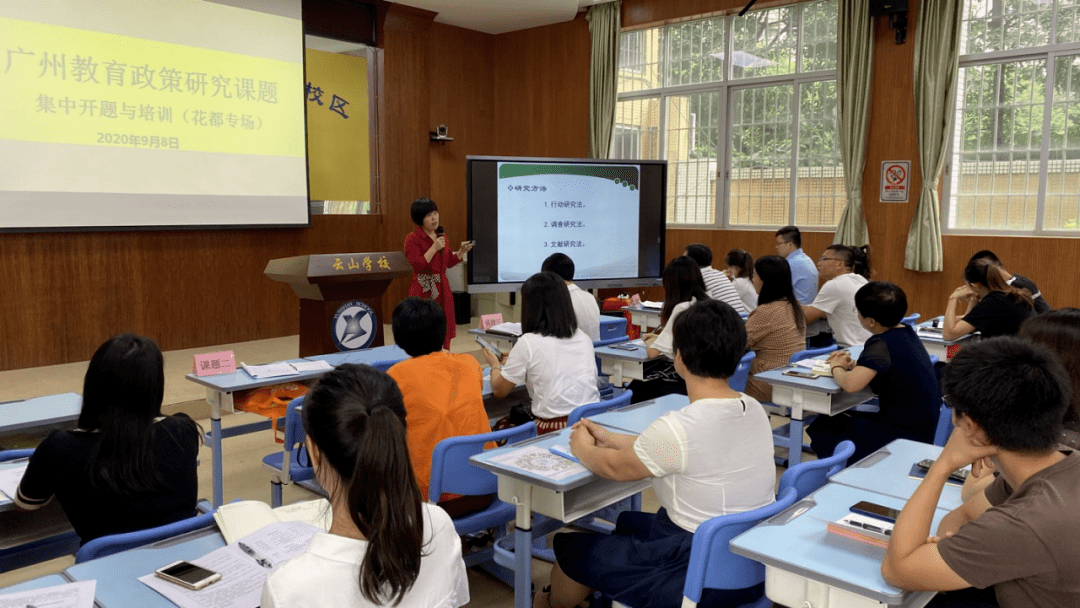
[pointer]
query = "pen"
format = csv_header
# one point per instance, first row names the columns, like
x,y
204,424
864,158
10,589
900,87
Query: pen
x,y
565,455
258,558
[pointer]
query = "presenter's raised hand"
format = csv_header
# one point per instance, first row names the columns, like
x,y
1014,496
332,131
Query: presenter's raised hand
x,y
466,246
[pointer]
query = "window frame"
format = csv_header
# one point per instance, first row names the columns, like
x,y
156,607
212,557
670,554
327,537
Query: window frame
x,y
1048,53
724,88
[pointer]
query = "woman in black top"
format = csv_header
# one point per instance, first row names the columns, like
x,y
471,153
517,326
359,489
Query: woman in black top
x,y
895,365
126,467
994,308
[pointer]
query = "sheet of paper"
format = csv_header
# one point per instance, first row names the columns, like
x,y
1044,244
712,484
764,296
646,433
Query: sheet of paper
x,y
312,366
651,304
10,478
71,595
282,541
513,329
240,586
540,461
314,512
270,370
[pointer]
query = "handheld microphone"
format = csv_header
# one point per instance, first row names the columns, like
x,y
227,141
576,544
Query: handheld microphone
x,y
439,231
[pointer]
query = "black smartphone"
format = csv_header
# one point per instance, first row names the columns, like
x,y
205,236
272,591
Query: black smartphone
x,y
875,510
800,374
187,574
624,346
959,475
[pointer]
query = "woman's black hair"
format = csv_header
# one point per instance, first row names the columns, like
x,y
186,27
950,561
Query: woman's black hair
x,y
546,308
356,417
420,209
774,272
122,394
984,272
1059,330
856,259
682,281
738,258
419,326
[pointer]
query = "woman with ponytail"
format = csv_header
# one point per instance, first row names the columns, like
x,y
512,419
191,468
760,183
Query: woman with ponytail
x,y
385,546
994,308
125,467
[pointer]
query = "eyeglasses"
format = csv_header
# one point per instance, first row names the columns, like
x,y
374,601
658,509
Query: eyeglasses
x,y
827,259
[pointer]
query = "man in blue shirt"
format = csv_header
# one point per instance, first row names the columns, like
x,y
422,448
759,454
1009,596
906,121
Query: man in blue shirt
x,y
803,270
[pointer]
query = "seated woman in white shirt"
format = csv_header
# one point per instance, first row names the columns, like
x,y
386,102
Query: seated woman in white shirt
x,y
711,458
740,269
552,357
683,286
385,546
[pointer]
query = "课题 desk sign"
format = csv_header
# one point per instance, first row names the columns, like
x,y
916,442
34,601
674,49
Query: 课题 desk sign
x,y
489,321
211,364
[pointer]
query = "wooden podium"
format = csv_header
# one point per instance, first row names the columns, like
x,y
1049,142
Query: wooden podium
x,y
327,284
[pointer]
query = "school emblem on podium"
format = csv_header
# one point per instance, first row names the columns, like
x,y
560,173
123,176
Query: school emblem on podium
x,y
353,326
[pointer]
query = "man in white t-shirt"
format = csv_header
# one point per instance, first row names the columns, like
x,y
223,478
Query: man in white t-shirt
x,y
836,299
717,285
586,308
720,445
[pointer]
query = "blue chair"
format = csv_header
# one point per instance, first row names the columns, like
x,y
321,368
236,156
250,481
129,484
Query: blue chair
x,y
608,341
714,566
36,536
944,426
810,353
107,545
452,472
284,466
737,381
911,320
591,409
807,477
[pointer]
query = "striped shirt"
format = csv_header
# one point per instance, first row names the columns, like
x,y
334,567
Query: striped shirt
x,y
720,288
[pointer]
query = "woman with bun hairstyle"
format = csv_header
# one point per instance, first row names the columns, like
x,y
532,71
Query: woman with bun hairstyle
x,y
385,545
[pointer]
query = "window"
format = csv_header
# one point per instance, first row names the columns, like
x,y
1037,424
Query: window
x,y
750,141
1015,150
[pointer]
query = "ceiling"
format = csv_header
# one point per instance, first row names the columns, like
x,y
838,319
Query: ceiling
x,y
501,16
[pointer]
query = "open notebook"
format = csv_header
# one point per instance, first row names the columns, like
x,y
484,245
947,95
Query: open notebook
x,y
238,519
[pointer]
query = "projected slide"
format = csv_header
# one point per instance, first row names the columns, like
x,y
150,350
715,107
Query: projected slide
x,y
589,212
137,113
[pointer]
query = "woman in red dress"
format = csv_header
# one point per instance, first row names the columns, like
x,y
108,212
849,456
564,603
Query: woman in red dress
x,y
429,257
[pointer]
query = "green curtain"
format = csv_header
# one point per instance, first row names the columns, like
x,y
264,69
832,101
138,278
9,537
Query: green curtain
x,y
854,72
937,54
604,26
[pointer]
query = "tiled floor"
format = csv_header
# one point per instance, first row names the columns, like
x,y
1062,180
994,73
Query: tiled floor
x,y
244,476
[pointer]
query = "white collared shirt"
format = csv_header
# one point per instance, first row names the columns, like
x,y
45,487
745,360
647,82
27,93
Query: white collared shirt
x,y
327,573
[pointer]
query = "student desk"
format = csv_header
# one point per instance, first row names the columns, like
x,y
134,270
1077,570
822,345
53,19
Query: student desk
x,y
807,566
643,317
39,412
220,390
633,419
819,395
6,504
563,500
117,575
49,580
624,365
886,472
934,344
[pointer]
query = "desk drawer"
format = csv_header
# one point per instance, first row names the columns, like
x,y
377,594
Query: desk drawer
x,y
791,589
573,504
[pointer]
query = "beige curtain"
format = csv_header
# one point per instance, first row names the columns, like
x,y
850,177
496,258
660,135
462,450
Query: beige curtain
x,y
604,26
854,72
937,54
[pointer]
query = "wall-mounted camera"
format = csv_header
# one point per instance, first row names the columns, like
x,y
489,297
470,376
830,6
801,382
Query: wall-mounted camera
x,y
440,134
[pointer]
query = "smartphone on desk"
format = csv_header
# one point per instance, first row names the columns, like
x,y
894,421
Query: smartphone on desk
x,y
630,347
959,475
800,374
875,510
187,574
